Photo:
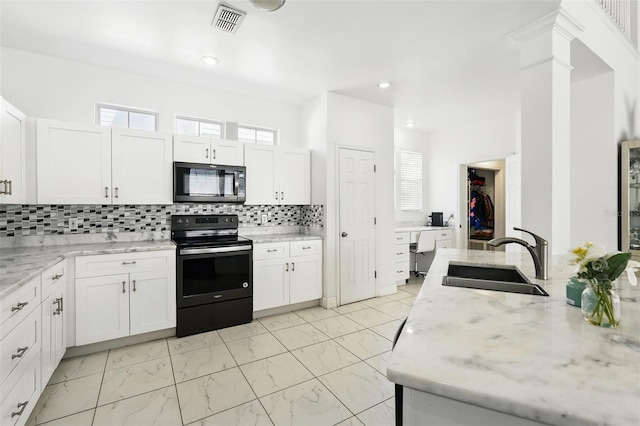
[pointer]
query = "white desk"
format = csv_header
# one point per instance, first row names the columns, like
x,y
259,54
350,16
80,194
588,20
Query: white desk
x,y
407,235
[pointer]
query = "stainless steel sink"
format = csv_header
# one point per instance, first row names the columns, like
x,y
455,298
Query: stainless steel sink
x,y
506,278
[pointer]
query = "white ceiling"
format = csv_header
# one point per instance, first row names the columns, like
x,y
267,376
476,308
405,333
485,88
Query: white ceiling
x,y
448,60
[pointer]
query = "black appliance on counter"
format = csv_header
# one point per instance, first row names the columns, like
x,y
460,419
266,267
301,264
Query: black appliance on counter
x,y
208,183
436,219
214,273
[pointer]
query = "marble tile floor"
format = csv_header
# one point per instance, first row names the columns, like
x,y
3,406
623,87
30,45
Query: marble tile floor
x,y
308,367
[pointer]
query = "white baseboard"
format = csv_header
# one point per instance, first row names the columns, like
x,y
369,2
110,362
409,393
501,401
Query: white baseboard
x,y
329,302
283,309
118,343
388,289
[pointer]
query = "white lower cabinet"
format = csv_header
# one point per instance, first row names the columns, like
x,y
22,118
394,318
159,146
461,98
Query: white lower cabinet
x,y
32,333
136,294
286,272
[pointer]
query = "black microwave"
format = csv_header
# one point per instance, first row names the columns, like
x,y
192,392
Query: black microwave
x,y
208,183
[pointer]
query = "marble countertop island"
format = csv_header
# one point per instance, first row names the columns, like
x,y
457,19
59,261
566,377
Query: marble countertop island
x,y
18,265
529,356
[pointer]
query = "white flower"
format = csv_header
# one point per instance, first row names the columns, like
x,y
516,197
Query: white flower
x,y
632,268
580,256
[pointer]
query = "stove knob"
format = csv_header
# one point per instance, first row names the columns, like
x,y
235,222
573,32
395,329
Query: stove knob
x,y
245,284
179,221
186,221
226,219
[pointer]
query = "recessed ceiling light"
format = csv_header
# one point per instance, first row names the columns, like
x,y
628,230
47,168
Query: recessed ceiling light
x,y
210,60
268,5
410,124
384,85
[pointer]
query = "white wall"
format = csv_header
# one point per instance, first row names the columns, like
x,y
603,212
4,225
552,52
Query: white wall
x,y
479,141
313,121
411,140
594,162
359,124
48,87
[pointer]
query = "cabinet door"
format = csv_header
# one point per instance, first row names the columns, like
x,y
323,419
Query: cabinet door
x,y
270,283
262,187
12,155
294,168
191,149
102,308
141,167
306,279
230,153
74,163
53,332
152,301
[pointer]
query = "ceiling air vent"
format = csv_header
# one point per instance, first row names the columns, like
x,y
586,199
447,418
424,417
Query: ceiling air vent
x,y
227,19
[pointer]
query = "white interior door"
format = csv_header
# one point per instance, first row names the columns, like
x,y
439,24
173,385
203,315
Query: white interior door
x,y
513,200
357,230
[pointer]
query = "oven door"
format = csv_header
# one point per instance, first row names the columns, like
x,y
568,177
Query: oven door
x,y
206,275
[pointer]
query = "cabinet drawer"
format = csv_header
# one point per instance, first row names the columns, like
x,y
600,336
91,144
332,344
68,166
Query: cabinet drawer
x,y
15,307
401,270
53,276
443,235
402,252
402,238
20,394
19,344
305,248
270,251
123,263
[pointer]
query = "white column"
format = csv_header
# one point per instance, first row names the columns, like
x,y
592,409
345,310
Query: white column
x,y
545,81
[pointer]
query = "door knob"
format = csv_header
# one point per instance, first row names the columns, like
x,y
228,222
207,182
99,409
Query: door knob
x,y
344,234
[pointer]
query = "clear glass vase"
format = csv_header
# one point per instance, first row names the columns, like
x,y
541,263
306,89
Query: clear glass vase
x,y
601,307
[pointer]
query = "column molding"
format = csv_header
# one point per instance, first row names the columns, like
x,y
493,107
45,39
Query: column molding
x,y
559,21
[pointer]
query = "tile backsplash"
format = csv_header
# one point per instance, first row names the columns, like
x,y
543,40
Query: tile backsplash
x,y
29,220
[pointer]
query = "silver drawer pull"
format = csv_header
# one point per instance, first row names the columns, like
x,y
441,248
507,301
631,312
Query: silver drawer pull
x,y
56,277
399,238
20,352
306,247
271,250
399,272
134,285
21,407
123,284
133,262
19,306
400,253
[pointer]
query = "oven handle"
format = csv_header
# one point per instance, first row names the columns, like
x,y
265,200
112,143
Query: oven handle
x,y
214,250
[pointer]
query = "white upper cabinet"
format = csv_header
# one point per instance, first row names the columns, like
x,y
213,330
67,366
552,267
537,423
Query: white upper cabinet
x,y
91,164
141,171
12,155
199,149
74,163
277,175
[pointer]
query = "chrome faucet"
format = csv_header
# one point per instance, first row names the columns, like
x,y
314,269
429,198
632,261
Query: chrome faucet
x,y
539,252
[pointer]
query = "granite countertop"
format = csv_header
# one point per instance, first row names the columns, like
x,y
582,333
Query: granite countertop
x,y
529,356
18,265
420,227
277,238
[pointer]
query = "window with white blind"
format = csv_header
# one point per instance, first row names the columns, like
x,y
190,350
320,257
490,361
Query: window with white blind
x,y
258,135
129,118
199,127
410,180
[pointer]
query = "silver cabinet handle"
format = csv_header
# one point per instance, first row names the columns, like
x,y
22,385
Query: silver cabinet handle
x,y
287,270
116,191
123,284
58,302
106,192
214,154
134,285
344,234
399,272
4,187
306,247
21,407
10,192
206,153
293,266
272,250
57,277
282,196
399,253
277,195
133,262
20,352
19,306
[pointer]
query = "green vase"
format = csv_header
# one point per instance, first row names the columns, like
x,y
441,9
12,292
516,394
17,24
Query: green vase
x,y
574,292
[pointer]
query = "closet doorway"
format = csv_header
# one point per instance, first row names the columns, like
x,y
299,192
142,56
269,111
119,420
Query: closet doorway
x,y
482,204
